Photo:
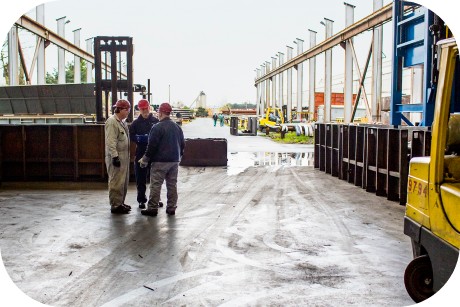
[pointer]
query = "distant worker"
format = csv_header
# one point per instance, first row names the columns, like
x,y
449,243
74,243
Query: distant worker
x,y
221,119
179,118
214,117
164,152
117,156
139,133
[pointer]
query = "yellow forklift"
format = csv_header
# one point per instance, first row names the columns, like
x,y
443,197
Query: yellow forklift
x,y
273,119
432,218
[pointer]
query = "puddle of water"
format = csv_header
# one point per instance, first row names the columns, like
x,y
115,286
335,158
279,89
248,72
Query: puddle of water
x,y
239,161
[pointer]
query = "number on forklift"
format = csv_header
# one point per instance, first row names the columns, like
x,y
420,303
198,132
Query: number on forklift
x,y
417,187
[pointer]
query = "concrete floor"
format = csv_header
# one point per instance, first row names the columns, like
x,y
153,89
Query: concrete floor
x,y
279,233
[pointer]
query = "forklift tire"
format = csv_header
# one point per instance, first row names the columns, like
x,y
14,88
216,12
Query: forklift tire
x,y
418,279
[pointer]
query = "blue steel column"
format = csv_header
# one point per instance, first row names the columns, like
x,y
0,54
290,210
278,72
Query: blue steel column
x,y
299,43
289,86
412,45
312,78
348,88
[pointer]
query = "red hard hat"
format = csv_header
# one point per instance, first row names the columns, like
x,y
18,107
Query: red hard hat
x,y
122,104
143,104
165,108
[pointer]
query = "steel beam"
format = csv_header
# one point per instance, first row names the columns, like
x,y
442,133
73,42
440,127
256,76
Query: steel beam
x,y
377,18
76,59
89,65
281,81
23,62
348,89
13,67
328,23
273,84
41,72
267,86
289,86
299,43
377,67
312,78
61,52
258,97
262,91
40,30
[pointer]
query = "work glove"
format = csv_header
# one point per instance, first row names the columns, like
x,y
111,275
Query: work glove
x,y
116,162
143,162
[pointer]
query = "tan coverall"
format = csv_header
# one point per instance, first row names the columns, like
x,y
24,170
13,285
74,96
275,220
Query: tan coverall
x,y
117,145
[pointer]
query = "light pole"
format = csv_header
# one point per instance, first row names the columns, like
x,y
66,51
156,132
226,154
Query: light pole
x,y
169,93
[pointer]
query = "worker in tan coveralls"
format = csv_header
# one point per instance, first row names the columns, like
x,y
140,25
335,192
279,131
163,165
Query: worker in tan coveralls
x,y
117,156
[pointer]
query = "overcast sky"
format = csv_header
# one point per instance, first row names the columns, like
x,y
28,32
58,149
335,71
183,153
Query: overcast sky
x,y
202,45
214,46
205,45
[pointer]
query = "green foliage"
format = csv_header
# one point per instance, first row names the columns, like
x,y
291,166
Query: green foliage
x,y
290,138
201,112
52,78
242,105
5,68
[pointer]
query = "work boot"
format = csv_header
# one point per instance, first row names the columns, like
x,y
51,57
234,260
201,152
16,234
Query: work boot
x,y
127,206
160,204
170,211
142,205
150,212
120,210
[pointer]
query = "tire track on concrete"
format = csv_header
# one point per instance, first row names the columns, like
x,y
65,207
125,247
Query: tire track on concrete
x,y
348,241
211,234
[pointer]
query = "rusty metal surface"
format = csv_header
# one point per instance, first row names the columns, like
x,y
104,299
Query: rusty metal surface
x,y
373,157
205,152
48,99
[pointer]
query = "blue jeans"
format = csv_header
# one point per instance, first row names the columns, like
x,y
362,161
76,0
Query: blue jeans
x,y
141,181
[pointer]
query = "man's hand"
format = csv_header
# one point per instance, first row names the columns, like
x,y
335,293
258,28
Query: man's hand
x,y
116,162
143,162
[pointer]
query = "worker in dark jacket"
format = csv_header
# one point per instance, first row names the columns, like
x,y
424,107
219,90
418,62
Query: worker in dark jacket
x,y
139,133
164,152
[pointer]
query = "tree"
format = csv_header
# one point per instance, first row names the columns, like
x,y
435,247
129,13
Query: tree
x,y
4,64
52,78
242,105
201,112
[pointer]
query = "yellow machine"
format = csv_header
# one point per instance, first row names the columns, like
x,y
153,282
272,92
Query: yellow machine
x,y
432,218
273,118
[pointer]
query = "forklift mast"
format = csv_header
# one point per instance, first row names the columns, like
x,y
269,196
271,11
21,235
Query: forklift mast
x,y
416,30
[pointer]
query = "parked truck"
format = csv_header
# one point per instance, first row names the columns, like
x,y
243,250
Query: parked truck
x,y
432,218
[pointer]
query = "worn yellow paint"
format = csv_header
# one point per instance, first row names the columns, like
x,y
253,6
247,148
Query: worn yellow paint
x,y
433,200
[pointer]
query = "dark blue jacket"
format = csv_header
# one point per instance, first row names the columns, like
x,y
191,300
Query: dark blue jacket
x,y
139,131
166,142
